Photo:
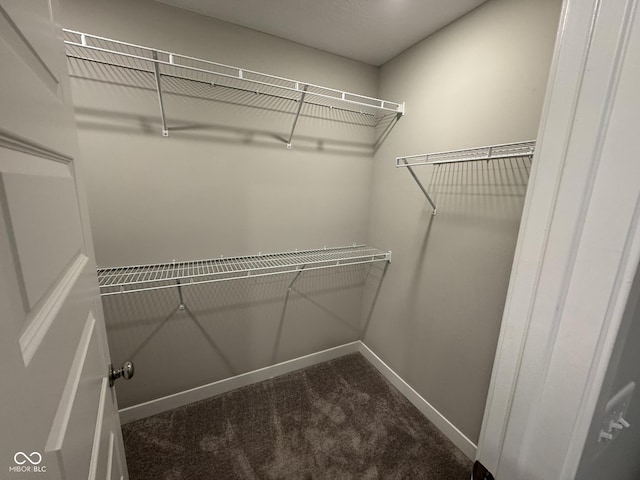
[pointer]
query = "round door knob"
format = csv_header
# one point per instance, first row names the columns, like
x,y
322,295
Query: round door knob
x,y
126,371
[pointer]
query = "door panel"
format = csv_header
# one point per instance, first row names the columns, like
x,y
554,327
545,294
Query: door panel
x,y
116,468
46,225
33,91
78,411
42,317
33,22
102,428
56,401
111,473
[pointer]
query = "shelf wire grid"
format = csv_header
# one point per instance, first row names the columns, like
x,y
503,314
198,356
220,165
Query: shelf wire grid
x,y
139,278
506,150
107,51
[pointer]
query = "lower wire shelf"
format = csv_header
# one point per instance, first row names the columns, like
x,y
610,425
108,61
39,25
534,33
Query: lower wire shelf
x,y
140,278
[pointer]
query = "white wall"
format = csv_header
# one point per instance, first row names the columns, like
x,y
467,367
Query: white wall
x,y
223,183
479,81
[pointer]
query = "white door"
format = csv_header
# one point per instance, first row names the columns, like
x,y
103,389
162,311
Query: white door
x,y
58,416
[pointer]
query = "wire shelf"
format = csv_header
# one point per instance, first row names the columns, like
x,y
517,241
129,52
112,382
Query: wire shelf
x,y
107,51
492,152
139,278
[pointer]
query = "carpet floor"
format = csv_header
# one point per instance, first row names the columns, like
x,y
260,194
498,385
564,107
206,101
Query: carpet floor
x,y
337,420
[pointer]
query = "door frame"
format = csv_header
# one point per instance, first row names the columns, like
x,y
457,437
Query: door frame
x,y
577,253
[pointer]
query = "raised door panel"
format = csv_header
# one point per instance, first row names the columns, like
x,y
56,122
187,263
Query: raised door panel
x,y
33,19
40,338
46,225
114,464
37,97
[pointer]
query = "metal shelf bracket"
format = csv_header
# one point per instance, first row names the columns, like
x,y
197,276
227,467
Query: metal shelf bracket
x,y
295,120
415,177
156,71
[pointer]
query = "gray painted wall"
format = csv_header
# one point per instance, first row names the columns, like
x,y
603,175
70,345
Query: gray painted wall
x,y
479,81
223,183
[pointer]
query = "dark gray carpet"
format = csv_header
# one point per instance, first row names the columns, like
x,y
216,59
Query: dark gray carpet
x,y
337,420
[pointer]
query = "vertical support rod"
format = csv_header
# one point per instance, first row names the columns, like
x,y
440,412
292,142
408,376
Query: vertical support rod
x,y
181,306
294,279
156,69
276,345
295,121
374,299
433,205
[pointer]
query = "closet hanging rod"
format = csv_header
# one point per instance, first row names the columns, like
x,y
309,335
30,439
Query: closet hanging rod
x,y
491,152
90,42
140,278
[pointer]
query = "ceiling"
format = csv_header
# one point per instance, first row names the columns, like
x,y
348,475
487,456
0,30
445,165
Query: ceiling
x,y
371,31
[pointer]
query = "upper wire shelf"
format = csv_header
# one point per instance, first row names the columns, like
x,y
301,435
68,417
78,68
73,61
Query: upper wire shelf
x,y
138,278
491,152
168,65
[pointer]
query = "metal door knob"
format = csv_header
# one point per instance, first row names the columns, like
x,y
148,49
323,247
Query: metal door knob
x,y
126,371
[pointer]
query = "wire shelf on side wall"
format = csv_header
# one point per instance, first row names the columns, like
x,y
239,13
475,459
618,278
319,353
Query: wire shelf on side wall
x,y
490,152
139,278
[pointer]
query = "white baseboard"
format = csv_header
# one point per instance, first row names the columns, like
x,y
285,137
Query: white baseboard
x,y
153,407
180,399
439,420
